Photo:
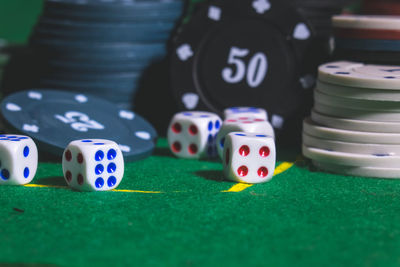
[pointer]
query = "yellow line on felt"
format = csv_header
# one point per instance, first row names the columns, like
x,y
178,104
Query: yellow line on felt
x,y
284,166
278,170
42,185
136,191
115,190
238,187
235,188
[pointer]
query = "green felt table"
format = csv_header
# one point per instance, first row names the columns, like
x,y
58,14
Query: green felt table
x,y
177,212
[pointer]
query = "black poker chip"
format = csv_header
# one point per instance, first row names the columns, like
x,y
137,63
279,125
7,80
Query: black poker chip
x,y
243,53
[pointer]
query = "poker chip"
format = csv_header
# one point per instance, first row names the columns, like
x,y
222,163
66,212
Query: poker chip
x,y
111,7
116,11
350,33
370,45
103,32
55,118
367,56
355,74
358,93
351,159
243,53
110,77
392,173
316,130
70,66
355,121
366,22
90,85
373,39
348,147
114,92
89,46
368,115
355,125
99,51
357,104
382,7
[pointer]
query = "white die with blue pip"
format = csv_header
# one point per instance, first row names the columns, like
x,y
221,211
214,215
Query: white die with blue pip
x,y
243,124
239,112
93,165
249,158
18,159
192,134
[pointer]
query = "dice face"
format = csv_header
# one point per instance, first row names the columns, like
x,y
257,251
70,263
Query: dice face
x,y
93,165
18,159
241,112
249,158
193,134
243,124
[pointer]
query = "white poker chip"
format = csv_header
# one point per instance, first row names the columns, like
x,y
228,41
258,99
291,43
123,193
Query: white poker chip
x,y
313,129
358,93
349,147
358,104
373,172
366,22
368,115
354,74
350,159
355,125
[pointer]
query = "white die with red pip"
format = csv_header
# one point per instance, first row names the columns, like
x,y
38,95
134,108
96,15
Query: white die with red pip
x,y
242,124
249,158
18,159
93,165
240,112
193,134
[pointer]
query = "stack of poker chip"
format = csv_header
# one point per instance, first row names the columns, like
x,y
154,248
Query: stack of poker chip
x,y
371,39
101,47
262,53
354,128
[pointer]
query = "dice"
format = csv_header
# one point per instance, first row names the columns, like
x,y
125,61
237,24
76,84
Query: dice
x,y
249,158
18,159
93,165
243,124
238,112
192,134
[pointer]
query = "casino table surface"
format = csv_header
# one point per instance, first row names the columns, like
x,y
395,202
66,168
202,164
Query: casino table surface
x,y
176,212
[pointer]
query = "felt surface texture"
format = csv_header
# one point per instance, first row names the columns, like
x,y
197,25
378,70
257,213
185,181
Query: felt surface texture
x,y
300,218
